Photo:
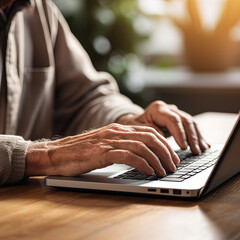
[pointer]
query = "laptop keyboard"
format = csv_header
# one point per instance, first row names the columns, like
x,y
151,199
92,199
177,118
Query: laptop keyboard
x,y
189,166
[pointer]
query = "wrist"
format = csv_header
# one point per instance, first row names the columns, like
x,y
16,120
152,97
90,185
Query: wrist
x,y
37,160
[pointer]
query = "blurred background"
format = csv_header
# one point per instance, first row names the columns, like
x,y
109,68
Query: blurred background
x,y
185,52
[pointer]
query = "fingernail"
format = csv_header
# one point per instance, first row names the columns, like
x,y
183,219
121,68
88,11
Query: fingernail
x,y
151,172
185,144
177,160
162,173
198,148
173,168
147,171
205,145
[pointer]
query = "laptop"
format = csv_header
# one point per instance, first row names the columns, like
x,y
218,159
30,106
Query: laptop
x,y
195,175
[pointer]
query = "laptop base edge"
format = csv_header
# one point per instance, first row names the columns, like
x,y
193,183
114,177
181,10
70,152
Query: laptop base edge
x,y
119,188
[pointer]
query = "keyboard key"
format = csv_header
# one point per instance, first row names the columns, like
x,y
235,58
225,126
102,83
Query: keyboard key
x,y
185,177
173,176
191,173
153,177
184,171
171,179
197,170
178,174
189,166
196,165
140,177
203,167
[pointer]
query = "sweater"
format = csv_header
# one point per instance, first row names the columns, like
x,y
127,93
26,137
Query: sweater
x,y
51,85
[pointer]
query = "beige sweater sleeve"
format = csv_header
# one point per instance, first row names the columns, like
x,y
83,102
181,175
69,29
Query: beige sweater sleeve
x,y
12,158
85,98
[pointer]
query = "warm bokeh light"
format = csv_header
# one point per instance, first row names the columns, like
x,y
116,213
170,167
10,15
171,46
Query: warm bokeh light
x,y
209,29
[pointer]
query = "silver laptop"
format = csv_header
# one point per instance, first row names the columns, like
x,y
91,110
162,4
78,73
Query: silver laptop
x,y
195,175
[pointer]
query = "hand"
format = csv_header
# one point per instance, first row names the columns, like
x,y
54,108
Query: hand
x,y
141,147
179,124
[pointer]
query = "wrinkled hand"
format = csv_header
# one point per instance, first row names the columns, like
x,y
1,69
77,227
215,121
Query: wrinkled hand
x,y
141,147
179,124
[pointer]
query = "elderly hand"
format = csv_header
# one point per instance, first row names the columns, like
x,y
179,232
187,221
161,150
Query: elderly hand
x,y
179,124
141,147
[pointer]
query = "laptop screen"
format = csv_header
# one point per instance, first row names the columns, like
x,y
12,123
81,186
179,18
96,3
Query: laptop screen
x,y
228,163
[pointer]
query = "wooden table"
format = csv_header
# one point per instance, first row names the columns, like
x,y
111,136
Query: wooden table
x,y
33,211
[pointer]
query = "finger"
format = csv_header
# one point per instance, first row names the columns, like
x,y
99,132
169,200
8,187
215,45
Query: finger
x,y
174,124
126,157
141,150
154,126
192,137
133,128
153,143
202,143
172,107
162,152
160,114
149,139
174,156
163,131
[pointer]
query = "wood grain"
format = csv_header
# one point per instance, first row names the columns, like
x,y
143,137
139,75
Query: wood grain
x,y
33,211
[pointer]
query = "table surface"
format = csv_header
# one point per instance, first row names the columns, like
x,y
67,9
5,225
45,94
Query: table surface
x,y
33,211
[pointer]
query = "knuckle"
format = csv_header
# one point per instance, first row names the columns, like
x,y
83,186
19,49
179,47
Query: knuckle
x,y
152,137
149,129
153,130
150,126
174,119
139,145
131,158
114,125
173,107
126,154
194,137
158,103
188,120
108,132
